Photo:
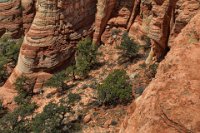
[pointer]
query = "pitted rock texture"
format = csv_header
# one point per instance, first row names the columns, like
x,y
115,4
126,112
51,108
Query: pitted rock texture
x,y
184,12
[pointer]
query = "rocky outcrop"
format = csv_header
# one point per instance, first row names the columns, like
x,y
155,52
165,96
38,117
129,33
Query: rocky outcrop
x,y
171,102
53,34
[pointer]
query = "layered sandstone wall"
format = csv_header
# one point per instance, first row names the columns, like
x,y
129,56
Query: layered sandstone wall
x,y
16,16
54,32
56,28
160,25
169,17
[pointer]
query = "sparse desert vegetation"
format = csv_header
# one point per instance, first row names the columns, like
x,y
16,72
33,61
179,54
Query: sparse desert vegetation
x,y
9,50
128,49
115,89
91,81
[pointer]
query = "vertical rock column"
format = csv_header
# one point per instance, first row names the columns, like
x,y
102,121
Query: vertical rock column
x,y
42,44
104,10
135,12
160,26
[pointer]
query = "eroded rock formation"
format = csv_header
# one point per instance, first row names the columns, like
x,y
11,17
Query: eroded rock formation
x,y
58,25
56,28
50,41
53,27
160,25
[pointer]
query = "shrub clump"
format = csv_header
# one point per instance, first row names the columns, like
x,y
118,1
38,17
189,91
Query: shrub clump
x,y
151,70
24,87
72,98
17,121
9,50
128,49
49,120
58,81
86,57
115,89
3,110
53,119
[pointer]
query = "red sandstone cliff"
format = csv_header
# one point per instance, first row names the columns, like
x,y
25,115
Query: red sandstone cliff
x,y
171,102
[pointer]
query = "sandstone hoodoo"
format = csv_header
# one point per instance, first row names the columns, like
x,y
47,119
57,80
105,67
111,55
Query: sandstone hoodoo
x,y
69,51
